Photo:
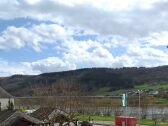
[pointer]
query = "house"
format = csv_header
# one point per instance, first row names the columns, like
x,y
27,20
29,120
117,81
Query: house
x,y
54,116
16,118
153,92
5,103
6,100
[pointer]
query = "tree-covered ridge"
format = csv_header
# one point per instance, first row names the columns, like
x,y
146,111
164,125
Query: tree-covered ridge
x,y
90,79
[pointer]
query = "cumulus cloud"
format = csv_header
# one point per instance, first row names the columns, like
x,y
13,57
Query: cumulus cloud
x,y
138,26
87,54
50,64
158,39
34,37
7,69
141,57
133,19
95,54
90,53
143,18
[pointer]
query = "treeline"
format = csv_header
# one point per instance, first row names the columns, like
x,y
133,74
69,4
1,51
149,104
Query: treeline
x,y
90,79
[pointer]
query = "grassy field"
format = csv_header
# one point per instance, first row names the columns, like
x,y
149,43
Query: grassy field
x,y
153,86
95,117
112,118
152,123
157,100
102,91
106,91
160,100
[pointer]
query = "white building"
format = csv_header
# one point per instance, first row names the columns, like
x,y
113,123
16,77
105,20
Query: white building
x,y
5,97
4,102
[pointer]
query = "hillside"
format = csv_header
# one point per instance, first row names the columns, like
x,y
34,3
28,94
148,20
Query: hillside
x,y
90,79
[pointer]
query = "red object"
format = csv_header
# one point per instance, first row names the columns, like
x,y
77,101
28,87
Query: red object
x,y
125,121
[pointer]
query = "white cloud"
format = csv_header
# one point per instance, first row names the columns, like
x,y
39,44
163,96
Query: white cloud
x,y
87,54
158,39
7,68
90,15
34,36
143,18
138,26
143,57
50,64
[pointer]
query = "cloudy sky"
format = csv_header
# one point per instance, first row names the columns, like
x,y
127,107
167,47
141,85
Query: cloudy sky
x,y
38,36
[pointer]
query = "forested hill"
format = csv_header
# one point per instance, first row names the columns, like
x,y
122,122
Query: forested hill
x,y
91,79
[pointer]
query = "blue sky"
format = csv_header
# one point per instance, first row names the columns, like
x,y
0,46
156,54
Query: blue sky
x,y
39,36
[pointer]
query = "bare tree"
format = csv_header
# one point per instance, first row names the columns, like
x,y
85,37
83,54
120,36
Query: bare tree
x,y
63,95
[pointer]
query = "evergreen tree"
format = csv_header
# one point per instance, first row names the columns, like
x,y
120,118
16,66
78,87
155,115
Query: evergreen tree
x,y
10,105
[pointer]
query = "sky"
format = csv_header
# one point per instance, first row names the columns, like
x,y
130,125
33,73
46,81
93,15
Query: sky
x,y
39,36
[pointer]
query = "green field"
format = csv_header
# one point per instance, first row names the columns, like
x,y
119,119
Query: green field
x,y
85,117
106,90
160,100
152,123
149,86
102,91
95,117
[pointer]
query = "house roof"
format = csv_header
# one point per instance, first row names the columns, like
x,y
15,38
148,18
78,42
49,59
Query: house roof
x,y
42,113
9,117
5,114
4,94
51,114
